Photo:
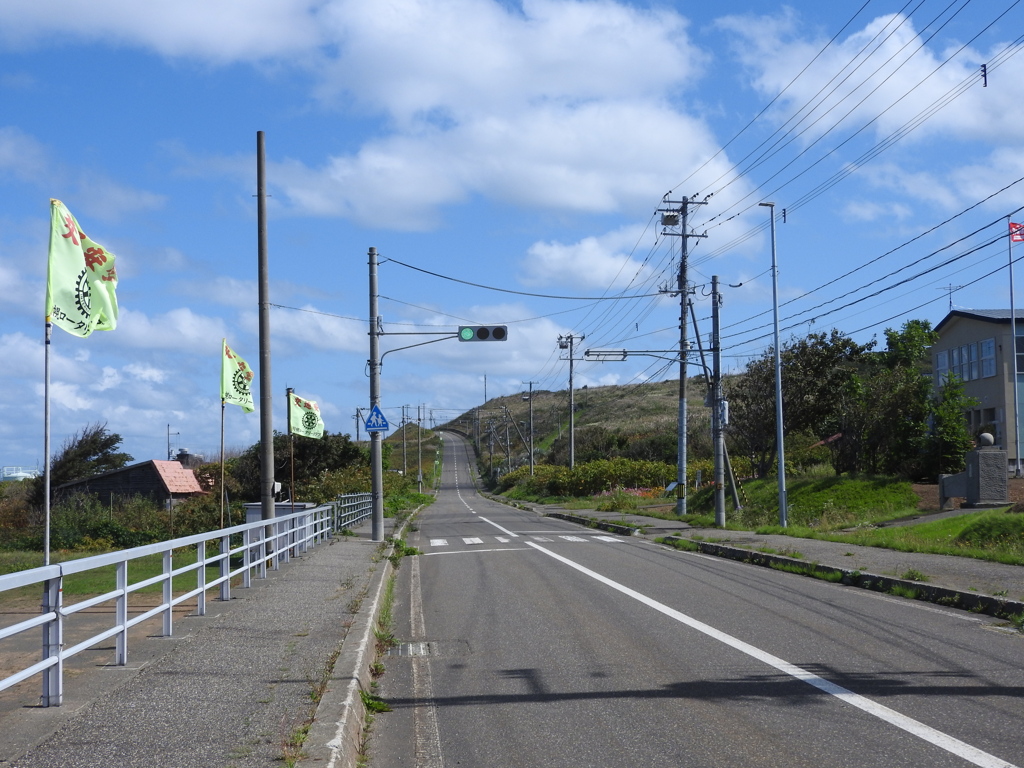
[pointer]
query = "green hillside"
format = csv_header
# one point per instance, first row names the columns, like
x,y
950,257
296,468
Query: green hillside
x,y
634,420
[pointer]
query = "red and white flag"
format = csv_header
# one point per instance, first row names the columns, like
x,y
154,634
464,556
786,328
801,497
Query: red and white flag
x,y
1016,233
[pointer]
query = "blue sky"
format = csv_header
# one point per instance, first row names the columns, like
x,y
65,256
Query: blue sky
x,y
519,145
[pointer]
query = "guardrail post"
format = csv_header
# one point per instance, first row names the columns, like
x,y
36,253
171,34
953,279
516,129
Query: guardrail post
x,y
201,578
246,558
53,643
168,594
275,544
121,618
225,567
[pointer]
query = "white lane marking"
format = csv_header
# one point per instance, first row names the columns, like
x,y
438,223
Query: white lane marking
x,y
472,540
925,732
475,551
572,538
610,539
503,530
503,539
439,542
541,538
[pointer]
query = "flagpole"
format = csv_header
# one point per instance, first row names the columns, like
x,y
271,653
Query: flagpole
x,y
291,440
1013,331
222,408
46,440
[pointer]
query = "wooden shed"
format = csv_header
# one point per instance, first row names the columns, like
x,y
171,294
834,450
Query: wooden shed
x,y
165,482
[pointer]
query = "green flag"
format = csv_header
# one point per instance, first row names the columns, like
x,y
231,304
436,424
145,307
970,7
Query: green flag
x,y
304,417
235,379
80,278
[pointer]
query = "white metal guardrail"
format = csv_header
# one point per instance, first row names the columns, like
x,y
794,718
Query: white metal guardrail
x,y
258,544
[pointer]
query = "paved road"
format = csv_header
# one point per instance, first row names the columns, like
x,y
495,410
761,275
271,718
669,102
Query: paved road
x,y
533,642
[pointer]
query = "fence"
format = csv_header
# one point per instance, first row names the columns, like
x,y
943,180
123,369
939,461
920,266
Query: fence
x,y
255,545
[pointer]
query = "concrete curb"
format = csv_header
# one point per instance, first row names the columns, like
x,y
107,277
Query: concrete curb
x,y
622,530
970,601
336,735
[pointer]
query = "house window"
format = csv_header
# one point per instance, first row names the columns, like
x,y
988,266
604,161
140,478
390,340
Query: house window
x,y
987,348
1020,354
941,364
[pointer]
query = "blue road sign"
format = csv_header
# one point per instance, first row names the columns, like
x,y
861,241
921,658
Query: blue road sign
x,y
376,422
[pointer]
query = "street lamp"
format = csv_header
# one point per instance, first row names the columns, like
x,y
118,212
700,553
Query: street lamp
x,y
783,511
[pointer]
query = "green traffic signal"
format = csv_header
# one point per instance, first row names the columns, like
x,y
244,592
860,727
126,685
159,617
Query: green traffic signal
x,y
483,333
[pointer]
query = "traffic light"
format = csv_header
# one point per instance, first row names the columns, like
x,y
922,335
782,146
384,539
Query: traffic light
x,y
483,333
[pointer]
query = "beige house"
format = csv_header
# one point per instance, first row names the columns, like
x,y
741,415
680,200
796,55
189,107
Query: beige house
x,y
977,345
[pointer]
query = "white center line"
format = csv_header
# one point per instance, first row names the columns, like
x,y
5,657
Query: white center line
x,y
925,732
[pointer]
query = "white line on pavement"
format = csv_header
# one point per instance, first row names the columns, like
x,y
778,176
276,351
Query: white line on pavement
x,y
891,716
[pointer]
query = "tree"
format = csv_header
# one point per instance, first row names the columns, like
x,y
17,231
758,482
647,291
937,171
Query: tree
x,y
85,454
821,391
312,458
949,439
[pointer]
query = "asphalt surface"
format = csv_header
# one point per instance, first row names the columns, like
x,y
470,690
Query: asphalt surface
x,y
229,689
964,574
532,641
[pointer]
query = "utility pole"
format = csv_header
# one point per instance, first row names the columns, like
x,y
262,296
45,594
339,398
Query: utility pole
x,y
267,506
779,432
357,417
678,217
531,428
718,417
419,449
405,426
376,456
567,342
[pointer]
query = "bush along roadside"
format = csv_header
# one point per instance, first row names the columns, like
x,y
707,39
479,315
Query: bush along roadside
x,y
999,607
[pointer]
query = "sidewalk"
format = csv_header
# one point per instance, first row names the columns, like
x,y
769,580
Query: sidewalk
x,y
963,574
231,688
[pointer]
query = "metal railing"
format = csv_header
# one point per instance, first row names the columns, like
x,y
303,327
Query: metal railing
x,y
257,545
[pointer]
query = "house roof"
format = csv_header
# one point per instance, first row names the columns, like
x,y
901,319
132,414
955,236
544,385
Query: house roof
x,y
176,478
984,315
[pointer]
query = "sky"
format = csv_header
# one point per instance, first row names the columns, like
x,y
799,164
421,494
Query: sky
x,y
526,149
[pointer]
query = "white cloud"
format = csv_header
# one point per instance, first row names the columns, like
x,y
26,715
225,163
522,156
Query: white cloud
x,y
225,30
109,379
146,373
441,60
180,329
65,395
924,186
867,210
21,155
106,199
313,329
594,262
594,158
881,71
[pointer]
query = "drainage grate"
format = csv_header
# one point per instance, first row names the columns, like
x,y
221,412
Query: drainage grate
x,y
444,649
411,649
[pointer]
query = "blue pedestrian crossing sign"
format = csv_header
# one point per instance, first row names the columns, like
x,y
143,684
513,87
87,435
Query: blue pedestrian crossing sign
x,y
376,422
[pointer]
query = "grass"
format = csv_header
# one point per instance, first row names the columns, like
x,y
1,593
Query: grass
x,y
943,537
100,580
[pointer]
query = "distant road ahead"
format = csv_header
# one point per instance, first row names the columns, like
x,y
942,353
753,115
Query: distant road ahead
x,y
544,644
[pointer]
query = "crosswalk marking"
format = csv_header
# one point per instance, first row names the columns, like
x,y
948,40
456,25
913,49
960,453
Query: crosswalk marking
x,y
476,540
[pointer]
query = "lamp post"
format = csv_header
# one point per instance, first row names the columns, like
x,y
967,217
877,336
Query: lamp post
x,y
783,510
